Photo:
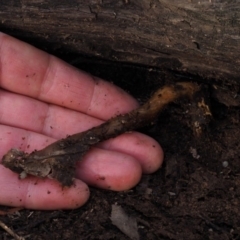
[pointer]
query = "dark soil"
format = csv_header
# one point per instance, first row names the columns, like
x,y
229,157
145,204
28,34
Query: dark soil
x,y
195,195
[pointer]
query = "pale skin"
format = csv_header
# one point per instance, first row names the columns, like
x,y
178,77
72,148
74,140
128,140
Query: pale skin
x,y
43,99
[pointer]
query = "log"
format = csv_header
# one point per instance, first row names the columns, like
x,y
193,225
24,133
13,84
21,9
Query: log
x,y
200,38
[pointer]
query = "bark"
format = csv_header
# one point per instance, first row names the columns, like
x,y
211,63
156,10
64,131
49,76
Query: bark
x,y
201,38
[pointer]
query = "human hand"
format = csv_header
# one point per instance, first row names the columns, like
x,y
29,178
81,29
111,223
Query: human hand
x,y
44,99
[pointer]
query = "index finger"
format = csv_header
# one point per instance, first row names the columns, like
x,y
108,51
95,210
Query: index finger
x,y
32,72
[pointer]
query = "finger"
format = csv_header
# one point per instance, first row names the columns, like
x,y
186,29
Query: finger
x,y
42,194
141,147
109,170
24,112
24,140
57,122
31,72
120,170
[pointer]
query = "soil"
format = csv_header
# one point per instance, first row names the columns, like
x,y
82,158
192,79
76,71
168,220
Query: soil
x,y
195,195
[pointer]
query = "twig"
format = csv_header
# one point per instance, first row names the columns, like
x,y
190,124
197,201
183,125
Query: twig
x,y
9,231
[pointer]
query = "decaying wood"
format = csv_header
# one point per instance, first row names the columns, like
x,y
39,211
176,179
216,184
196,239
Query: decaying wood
x,y
58,160
194,37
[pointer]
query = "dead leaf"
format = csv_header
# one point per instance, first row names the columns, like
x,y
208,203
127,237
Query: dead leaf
x,y
125,223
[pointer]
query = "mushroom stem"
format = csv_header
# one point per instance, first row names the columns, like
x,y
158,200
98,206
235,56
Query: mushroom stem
x,y
59,158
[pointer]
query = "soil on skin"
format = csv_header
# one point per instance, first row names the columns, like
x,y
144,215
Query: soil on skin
x,y
195,195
